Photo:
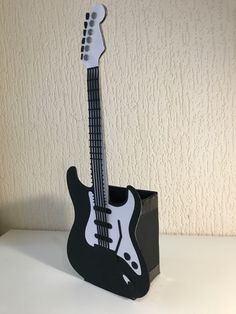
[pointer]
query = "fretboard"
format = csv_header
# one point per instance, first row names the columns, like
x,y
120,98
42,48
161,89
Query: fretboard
x,y
96,140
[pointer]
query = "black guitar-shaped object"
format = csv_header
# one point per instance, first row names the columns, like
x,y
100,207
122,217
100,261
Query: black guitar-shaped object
x,y
102,245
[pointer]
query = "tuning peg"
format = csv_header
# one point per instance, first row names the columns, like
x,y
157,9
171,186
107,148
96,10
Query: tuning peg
x,y
87,16
85,24
91,23
89,40
81,57
94,15
83,41
84,32
82,49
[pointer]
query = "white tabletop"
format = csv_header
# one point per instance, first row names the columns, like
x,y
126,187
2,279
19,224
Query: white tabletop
x,y
198,276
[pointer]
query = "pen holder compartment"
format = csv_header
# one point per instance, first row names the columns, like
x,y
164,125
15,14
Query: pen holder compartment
x,y
147,230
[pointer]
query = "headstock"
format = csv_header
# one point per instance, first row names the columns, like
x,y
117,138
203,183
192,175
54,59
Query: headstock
x,y
93,43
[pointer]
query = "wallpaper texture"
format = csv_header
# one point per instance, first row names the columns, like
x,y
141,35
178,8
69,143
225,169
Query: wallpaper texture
x,y
169,99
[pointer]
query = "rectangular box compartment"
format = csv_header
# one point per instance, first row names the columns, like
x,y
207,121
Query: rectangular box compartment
x,y
147,231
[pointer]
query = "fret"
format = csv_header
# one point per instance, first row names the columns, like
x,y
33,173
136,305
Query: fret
x,y
96,144
91,99
92,78
95,128
96,155
94,109
95,133
93,137
100,159
96,140
96,158
93,92
94,119
94,151
93,96
95,116
96,125
94,112
93,84
93,89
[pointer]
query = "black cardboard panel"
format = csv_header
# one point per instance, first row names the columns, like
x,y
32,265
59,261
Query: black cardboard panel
x,y
147,231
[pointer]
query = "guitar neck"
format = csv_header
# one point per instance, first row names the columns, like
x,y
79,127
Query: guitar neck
x,y
96,139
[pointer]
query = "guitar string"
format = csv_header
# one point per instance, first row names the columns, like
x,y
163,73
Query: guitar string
x,y
103,174
92,132
100,149
91,137
96,137
95,185
95,154
99,136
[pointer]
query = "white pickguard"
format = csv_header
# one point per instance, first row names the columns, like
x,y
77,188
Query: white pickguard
x,y
120,217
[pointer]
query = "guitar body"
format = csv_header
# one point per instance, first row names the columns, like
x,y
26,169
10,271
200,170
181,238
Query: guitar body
x,y
108,268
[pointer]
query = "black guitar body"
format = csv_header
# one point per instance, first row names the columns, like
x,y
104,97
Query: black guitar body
x,y
113,242
98,265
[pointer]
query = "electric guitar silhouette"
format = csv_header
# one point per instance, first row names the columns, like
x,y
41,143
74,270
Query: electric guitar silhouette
x,y
102,245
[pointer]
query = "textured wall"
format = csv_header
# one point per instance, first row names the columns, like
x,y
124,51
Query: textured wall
x,y
169,94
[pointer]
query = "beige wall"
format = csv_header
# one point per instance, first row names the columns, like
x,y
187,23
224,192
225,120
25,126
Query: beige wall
x,y
169,96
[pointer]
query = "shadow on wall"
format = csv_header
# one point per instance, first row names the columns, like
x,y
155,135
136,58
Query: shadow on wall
x,y
42,213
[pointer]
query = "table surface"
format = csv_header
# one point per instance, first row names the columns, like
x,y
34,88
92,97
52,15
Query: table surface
x,y
198,276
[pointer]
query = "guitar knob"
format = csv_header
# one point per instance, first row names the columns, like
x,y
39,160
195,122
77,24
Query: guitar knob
x,y
134,265
127,256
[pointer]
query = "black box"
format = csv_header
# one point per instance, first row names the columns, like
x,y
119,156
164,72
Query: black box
x,y
147,231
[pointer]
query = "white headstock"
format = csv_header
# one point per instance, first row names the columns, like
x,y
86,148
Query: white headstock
x,y
92,43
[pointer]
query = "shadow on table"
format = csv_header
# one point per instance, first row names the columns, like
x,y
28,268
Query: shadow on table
x,y
44,213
